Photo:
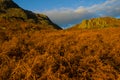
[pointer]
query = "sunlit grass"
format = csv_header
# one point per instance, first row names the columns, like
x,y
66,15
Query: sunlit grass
x,y
54,55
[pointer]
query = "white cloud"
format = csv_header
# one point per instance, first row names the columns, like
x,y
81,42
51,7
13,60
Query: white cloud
x,y
66,16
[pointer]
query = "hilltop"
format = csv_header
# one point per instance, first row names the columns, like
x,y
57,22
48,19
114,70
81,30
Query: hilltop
x,y
11,12
97,23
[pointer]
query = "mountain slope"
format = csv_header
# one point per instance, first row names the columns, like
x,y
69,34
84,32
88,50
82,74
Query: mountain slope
x,y
101,22
10,10
62,55
6,4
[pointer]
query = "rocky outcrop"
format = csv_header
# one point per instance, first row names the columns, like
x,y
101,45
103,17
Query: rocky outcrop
x,y
101,22
10,10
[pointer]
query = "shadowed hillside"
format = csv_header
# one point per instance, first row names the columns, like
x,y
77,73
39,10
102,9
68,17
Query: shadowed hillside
x,y
6,4
10,11
101,22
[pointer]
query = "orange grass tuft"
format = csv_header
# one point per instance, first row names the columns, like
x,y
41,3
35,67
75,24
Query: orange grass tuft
x,y
61,55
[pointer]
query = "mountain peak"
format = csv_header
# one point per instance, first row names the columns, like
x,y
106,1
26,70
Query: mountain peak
x,y
101,22
6,4
10,10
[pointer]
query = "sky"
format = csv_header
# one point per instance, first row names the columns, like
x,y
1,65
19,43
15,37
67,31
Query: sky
x,y
66,13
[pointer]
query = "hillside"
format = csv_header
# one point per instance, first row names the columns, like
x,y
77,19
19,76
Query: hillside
x,y
10,11
61,55
101,22
32,47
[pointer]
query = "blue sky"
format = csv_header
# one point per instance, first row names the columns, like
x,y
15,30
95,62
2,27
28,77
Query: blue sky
x,y
69,12
43,5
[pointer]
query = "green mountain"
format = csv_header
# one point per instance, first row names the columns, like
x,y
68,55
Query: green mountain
x,y
101,22
11,11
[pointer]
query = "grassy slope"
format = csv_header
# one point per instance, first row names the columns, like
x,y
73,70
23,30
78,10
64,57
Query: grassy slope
x,y
101,22
30,51
61,55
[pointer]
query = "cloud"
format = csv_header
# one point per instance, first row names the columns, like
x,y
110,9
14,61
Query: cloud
x,y
66,16
108,8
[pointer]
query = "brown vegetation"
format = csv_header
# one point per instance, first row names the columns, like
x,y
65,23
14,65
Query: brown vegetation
x,y
61,55
32,49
